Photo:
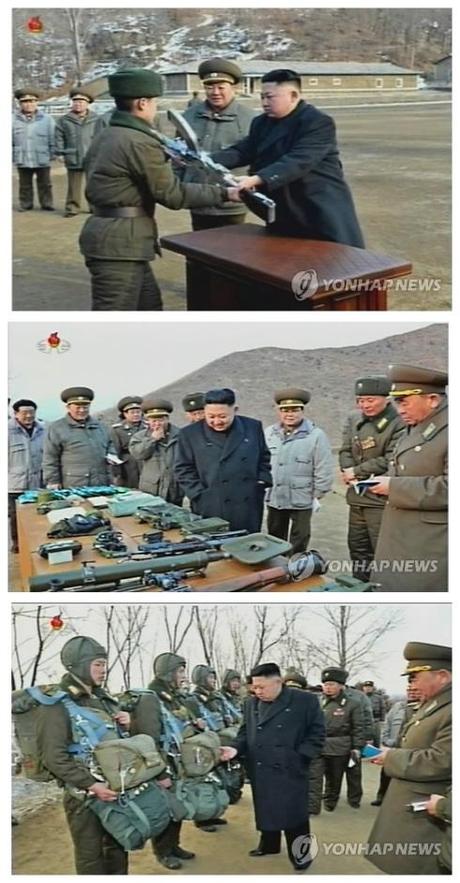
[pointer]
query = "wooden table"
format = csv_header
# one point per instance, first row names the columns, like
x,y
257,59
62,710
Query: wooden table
x,y
32,530
245,267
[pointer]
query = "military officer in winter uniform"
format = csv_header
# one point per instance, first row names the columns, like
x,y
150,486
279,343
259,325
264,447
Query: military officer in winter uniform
x,y
193,405
295,679
231,688
73,135
301,462
369,438
95,851
223,463
345,737
411,552
282,731
33,150
78,448
154,449
354,774
131,421
169,675
420,766
128,173
218,121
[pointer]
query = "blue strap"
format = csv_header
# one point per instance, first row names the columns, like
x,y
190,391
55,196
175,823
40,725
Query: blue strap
x,y
231,709
172,726
212,718
43,698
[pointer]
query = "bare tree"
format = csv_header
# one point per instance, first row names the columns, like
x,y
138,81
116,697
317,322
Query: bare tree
x,y
125,627
178,631
206,623
269,635
27,668
355,631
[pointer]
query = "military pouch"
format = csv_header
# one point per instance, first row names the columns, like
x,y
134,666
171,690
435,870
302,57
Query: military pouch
x,y
200,754
138,815
228,734
204,798
231,775
126,763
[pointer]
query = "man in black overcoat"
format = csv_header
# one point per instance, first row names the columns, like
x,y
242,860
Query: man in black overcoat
x,y
293,157
282,731
223,464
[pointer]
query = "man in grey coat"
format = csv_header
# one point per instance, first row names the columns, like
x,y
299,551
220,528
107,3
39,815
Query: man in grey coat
x,y
218,121
25,453
78,449
33,150
302,467
73,135
154,449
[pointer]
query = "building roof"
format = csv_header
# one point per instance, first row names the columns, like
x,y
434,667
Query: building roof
x,y
444,58
258,66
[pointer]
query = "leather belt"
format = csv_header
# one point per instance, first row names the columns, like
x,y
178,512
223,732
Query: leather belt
x,y
121,211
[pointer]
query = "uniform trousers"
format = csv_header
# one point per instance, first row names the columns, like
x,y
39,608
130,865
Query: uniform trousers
x,y
298,520
123,285
75,180
270,841
26,187
164,844
363,532
95,851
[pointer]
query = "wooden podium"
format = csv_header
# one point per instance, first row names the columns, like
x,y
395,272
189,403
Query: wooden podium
x,y
244,267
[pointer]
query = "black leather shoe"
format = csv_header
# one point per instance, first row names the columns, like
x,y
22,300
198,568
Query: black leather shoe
x,y
170,862
178,852
209,828
219,822
377,802
329,807
354,805
254,853
302,866
48,208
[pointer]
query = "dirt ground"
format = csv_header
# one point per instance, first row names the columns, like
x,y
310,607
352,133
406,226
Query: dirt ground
x,y
396,159
41,842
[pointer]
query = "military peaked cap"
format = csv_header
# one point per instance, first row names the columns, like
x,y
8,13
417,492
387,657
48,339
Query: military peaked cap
x,y
156,407
135,82
411,380
129,402
26,94
373,385
426,657
81,395
292,397
81,93
219,70
193,402
368,684
339,675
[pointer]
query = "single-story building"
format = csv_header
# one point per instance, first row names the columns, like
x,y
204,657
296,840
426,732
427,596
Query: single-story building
x,y
442,71
315,76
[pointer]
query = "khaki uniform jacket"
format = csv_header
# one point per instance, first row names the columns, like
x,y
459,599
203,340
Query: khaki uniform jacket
x,y
216,130
414,523
421,766
74,453
54,734
156,459
126,166
367,447
345,727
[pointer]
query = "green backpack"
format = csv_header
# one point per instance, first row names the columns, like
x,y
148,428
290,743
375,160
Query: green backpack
x,y
199,754
126,763
204,798
138,815
26,708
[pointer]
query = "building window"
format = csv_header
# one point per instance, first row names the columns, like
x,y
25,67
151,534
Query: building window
x,y
337,81
313,81
399,82
378,83
176,83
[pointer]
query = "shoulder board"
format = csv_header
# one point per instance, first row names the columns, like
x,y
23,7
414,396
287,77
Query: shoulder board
x,y
382,423
116,425
166,696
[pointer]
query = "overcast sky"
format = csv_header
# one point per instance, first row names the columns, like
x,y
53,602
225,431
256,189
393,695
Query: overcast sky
x,y
415,622
116,359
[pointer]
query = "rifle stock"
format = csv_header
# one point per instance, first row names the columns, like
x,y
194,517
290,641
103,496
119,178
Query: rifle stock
x,y
250,583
